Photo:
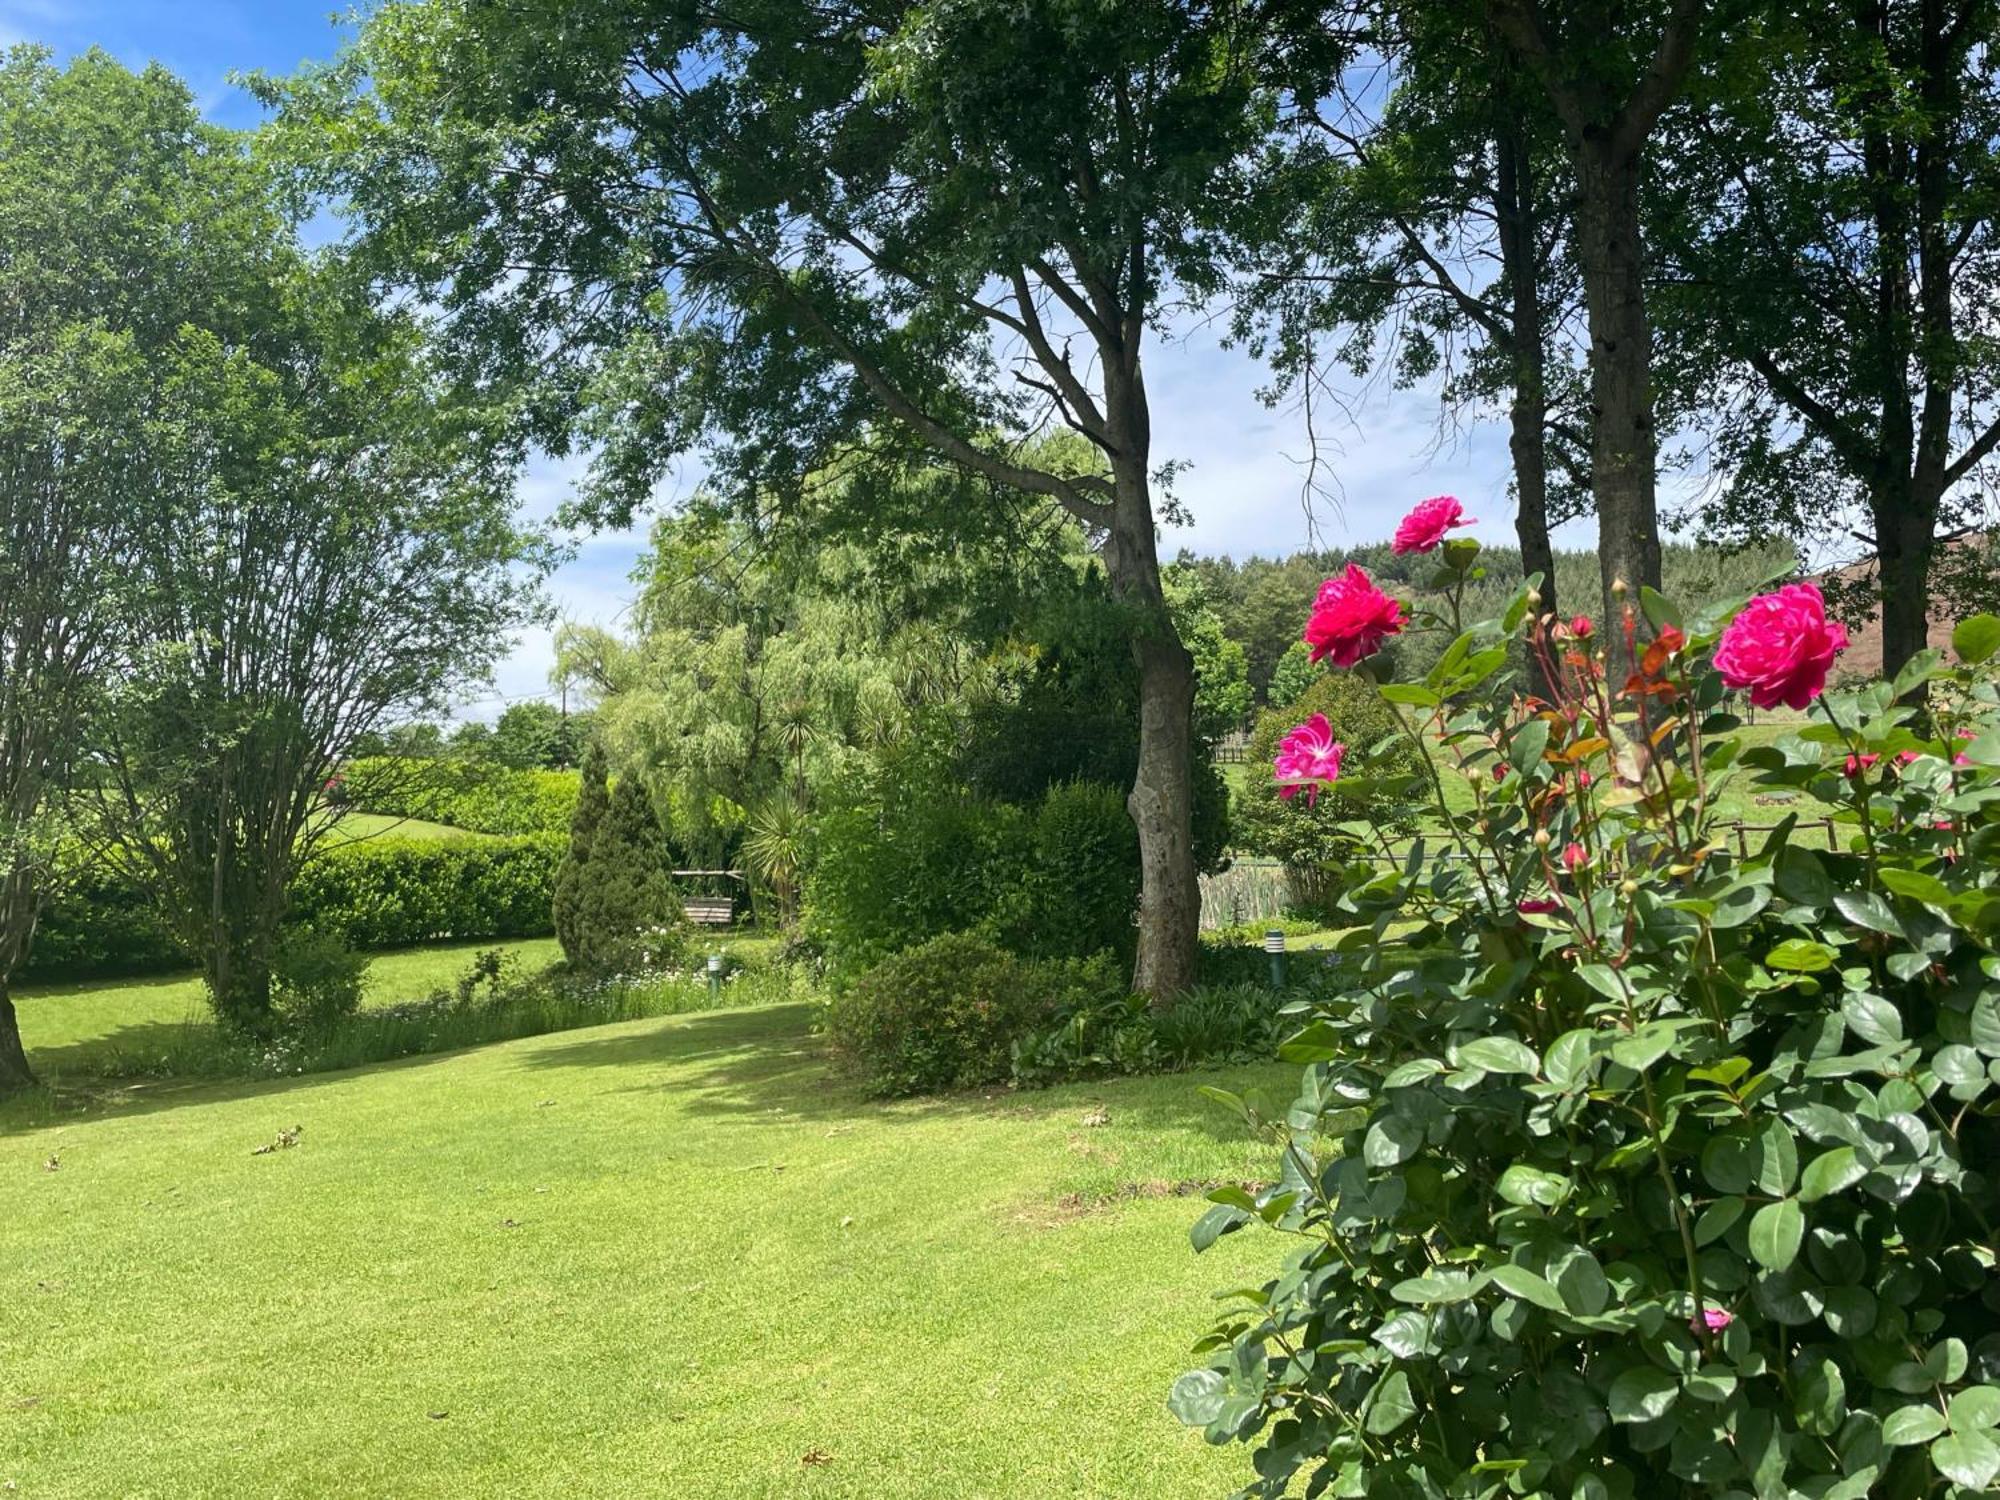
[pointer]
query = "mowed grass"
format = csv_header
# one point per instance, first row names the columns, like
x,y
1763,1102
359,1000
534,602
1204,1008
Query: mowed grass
x,y
664,1258
356,826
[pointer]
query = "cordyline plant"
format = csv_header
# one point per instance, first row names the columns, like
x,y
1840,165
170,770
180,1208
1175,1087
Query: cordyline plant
x,y
1634,1157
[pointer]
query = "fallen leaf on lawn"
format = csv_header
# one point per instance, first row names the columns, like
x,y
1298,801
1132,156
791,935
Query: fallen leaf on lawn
x,y
53,1164
510,1223
437,1416
1098,1116
545,1104
847,1221
814,1458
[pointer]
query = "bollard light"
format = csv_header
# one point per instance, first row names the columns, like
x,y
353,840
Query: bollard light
x,y
1274,945
715,976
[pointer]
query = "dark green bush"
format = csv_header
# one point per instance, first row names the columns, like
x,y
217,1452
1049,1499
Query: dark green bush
x,y
474,795
377,893
1077,890
316,980
1108,1031
902,853
942,1015
101,926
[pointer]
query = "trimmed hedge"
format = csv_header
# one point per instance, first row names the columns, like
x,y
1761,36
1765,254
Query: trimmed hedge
x,y
379,893
389,893
470,795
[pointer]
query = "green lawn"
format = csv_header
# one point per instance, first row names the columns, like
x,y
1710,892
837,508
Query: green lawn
x,y
355,826
665,1258
77,1030
70,1028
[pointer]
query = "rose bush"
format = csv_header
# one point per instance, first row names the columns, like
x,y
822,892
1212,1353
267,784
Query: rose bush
x,y
1630,1160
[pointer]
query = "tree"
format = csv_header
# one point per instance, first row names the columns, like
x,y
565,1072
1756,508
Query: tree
x,y
1610,69
776,229
116,204
622,913
1834,260
573,876
328,543
528,736
1433,236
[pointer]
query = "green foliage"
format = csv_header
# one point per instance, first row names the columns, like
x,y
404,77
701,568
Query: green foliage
x,y
903,852
1076,891
372,893
1312,837
388,893
620,908
943,1014
480,797
573,878
1107,1031
317,980
1656,1170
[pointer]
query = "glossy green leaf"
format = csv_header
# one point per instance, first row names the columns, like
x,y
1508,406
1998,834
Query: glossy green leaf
x,y
1974,640
1642,1394
1498,1054
1519,1281
1800,956
1968,1458
1392,1405
1831,1172
1776,1232
1909,1425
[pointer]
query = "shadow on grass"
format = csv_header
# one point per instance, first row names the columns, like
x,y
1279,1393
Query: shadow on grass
x,y
747,1064
753,1064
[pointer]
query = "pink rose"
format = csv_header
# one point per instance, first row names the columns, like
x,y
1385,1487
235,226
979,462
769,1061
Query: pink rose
x,y
1856,764
1537,906
1575,857
1965,732
1780,647
1424,527
1580,627
1351,618
1308,757
1713,1319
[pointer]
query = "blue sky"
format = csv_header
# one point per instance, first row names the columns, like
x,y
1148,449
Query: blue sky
x,y
1243,484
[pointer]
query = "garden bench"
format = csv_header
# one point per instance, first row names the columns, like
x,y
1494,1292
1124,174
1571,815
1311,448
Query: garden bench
x,y
710,911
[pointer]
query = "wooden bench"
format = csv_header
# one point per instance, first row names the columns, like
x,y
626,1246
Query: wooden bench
x,y
710,911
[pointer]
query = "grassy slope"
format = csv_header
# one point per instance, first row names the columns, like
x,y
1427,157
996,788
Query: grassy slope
x,y
355,826
662,1258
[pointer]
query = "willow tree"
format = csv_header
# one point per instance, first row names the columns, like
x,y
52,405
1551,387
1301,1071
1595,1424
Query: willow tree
x,y
765,231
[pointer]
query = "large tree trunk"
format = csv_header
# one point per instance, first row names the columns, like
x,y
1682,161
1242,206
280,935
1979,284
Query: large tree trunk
x,y
1162,796
14,1070
1623,442
1905,539
1528,434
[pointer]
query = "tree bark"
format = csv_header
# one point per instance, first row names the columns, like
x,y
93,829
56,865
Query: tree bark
x,y
1624,445
1905,540
1528,414
15,1073
1162,798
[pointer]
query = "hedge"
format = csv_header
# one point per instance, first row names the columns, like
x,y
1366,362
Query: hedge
x,y
379,893
477,797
